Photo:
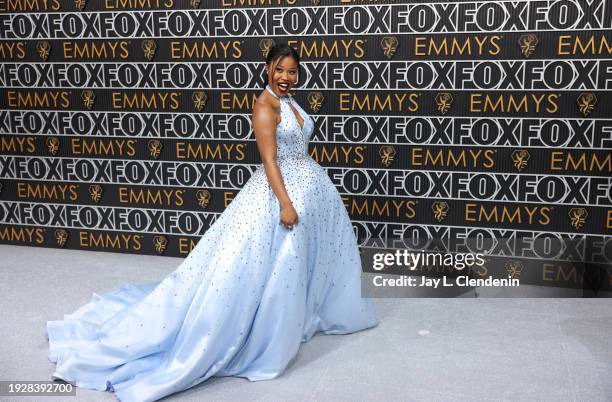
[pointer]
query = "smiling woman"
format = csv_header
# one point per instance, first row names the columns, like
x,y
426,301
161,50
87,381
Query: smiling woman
x,y
284,75
280,264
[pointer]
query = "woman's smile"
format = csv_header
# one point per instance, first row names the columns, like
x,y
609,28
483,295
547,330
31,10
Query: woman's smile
x,y
284,87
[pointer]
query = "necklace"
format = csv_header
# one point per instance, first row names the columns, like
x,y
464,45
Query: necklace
x,y
275,95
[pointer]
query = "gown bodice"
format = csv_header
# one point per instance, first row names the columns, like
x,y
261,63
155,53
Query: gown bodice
x,y
291,139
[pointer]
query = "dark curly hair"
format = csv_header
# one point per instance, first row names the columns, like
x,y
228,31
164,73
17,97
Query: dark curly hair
x,y
277,52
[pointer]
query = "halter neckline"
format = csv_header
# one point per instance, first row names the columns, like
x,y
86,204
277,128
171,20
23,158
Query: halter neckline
x,y
275,95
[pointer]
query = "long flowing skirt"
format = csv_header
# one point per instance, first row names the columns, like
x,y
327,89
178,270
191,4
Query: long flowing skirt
x,y
239,304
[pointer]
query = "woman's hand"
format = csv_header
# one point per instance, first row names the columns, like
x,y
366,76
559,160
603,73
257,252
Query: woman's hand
x,y
288,216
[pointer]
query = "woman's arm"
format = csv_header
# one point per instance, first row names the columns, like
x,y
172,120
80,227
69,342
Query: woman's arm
x,y
264,125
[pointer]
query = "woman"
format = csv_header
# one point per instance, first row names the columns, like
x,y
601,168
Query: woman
x,y
278,265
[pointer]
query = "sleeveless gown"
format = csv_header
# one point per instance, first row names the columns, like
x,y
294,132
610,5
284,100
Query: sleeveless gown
x,y
240,303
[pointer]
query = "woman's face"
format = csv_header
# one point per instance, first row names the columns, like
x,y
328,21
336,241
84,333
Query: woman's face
x,y
282,74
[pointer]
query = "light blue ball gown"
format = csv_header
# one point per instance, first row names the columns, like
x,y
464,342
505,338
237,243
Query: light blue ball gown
x,y
241,302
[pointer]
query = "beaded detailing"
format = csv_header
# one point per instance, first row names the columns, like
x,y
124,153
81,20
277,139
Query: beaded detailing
x,y
291,138
269,89
249,293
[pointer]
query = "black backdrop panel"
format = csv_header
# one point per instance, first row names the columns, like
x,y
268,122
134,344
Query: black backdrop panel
x,y
125,124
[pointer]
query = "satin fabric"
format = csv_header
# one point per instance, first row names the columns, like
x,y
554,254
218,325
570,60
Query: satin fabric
x,y
240,304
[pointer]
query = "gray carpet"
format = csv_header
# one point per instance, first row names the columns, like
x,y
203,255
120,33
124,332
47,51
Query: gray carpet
x,y
460,349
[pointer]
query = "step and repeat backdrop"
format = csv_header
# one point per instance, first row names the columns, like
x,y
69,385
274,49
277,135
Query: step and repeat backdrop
x,y
125,124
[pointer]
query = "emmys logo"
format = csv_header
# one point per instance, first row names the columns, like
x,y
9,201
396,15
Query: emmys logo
x,y
155,147
159,243
315,100
387,153
88,98
199,99
265,45
53,145
444,101
577,217
203,197
440,210
520,158
95,192
61,237
80,4
44,49
316,2
528,44
195,3
514,268
586,103
389,46
149,46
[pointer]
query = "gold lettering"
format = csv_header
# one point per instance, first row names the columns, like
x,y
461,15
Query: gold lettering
x,y
570,45
226,152
47,99
18,144
566,160
483,103
165,197
60,192
186,245
452,158
29,5
228,197
22,234
377,208
137,4
139,100
103,146
96,50
474,212
230,101
452,46
379,103
547,272
343,154
204,50
110,241
12,50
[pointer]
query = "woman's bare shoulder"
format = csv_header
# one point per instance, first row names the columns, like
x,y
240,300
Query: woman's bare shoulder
x,y
263,100
264,109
